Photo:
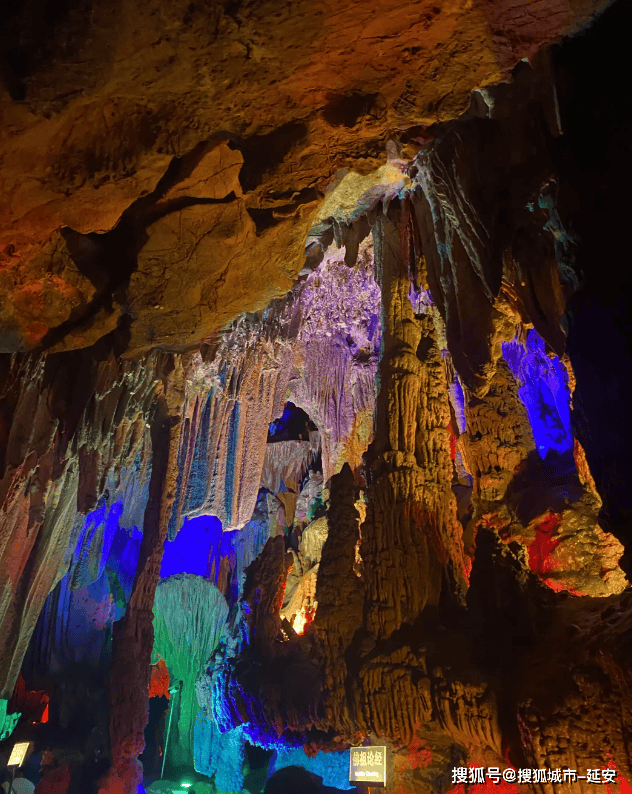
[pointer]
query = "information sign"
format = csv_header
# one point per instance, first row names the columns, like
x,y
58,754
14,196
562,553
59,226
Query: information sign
x,y
18,754
368,765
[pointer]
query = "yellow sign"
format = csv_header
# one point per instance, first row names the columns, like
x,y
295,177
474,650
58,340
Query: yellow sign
x,y
367,765
18,754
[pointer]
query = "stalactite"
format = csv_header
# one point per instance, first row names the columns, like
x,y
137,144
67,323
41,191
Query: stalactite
x,y
489,226
56,412
462,249
249,383
338,343
288,462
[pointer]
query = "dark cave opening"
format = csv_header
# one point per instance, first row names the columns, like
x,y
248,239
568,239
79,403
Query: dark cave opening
x,y
594,157
293,425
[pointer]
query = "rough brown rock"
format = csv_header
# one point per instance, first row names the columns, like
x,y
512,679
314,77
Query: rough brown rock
x,y
133,640
97,102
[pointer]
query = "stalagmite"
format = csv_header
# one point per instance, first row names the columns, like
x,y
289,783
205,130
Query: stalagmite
x,y
411,523
342,596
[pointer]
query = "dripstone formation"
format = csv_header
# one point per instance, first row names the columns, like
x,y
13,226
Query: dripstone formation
x,y
313,373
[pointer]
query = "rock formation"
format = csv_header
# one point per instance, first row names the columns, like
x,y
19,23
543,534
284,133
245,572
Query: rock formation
x,y
299,398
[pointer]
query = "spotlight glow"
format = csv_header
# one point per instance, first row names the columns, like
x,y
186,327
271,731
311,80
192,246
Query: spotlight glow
x,y
303,617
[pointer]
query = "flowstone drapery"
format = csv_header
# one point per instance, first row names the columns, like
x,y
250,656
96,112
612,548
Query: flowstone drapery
x,y
219,755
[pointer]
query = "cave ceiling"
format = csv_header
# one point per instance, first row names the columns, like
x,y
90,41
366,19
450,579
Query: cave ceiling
x,y
161,164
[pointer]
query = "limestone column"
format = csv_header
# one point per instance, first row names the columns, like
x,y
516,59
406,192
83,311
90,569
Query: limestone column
x,y
412,539
133,637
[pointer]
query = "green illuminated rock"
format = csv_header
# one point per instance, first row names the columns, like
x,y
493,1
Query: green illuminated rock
x,y
7,721
189,617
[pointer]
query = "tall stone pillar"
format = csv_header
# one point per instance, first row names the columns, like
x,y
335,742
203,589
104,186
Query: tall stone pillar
x,y
412,541
134,634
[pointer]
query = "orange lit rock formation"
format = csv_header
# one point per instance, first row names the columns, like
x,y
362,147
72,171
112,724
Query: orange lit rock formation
x,y
214,214
109,115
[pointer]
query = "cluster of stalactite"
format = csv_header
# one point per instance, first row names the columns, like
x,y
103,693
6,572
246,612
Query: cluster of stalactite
x,y
439,643
68,423
446,532
316,348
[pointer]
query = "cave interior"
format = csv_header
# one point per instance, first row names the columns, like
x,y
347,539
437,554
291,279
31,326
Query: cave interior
x,y
313,388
